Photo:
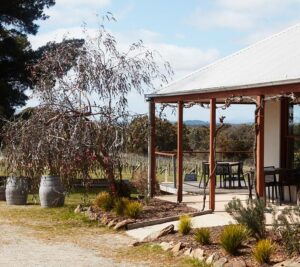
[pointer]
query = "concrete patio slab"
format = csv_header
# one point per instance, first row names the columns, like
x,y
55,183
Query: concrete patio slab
x,y
208,220
196,201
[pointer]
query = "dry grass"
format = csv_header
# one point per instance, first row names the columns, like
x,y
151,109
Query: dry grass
x,y
63,225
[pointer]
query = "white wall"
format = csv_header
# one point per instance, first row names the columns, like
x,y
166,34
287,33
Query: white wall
x,y
272,133
272,141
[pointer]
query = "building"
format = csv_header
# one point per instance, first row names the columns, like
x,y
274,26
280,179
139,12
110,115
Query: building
x,y
266,74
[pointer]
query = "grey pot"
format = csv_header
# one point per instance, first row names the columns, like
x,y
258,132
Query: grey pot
x,y
51,192
16,190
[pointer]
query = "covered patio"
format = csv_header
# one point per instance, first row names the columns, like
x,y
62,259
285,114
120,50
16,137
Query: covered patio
x,y
267,75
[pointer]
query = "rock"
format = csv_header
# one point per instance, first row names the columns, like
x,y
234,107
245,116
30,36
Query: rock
x,y
111,224
152,237
134,244
104,220
78,209
123,224
213,257
166,246
90,209
176,249
188,252
91,215
220,262
237,263
289,263
198,253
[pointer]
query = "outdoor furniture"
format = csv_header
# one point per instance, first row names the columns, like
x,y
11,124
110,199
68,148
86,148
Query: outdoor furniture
x,y
290,177
191,176
227,171
287,177
271,182
224,172
236,174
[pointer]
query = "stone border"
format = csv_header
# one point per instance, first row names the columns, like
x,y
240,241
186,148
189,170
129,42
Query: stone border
x,y
132,226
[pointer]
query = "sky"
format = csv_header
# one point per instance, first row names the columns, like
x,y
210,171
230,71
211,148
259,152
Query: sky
x,y
189,34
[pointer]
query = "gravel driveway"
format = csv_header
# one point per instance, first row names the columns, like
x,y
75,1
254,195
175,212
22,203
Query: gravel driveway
x,y
19,247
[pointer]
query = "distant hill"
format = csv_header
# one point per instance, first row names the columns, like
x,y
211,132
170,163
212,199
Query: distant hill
x,y
195,122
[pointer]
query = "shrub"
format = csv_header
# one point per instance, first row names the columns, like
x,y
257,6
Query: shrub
x,y
123,188
251,216
288,226
140,181
202,236
120,206
185,224
105,201
197,263
263,251
232,238
133,209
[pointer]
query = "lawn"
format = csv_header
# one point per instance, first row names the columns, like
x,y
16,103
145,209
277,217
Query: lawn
x,y
52,219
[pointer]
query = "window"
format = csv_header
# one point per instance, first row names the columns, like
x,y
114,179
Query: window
x,y
293,141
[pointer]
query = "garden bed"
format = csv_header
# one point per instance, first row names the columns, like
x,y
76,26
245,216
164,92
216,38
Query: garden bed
x,y
245,253
154,211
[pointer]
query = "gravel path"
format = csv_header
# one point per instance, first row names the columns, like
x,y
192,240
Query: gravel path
x,y
18,247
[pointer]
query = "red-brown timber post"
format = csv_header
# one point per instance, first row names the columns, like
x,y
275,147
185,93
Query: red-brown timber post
x,y
212,153
260,177
179,151
151,150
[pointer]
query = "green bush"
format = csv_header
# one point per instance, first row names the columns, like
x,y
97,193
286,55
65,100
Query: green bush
x,y
105,201
232,238
251,216
133,209
202,236
120,206
263,251
185,224
288,226
197,263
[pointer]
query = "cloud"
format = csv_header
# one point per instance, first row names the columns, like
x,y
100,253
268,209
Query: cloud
x,y
242,15
67,13
221,19
183,59
55,36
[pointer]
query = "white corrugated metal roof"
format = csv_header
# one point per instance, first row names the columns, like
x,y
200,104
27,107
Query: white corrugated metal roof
x,y
272,61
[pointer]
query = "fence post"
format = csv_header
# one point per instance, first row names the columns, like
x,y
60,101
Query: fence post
x,y
174,170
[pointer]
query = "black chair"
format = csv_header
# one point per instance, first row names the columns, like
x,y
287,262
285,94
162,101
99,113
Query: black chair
x,y
291,177
224,172
237,173
271,183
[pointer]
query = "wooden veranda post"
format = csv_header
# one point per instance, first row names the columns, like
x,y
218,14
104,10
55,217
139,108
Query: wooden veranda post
x,y
179,152
212,154
260,178
151,150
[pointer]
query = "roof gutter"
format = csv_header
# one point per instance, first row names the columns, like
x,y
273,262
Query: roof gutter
x,y
223,88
